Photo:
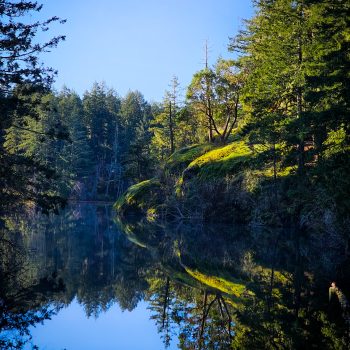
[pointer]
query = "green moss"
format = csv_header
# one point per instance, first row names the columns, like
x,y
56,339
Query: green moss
x,y
140,196
219,162
180,159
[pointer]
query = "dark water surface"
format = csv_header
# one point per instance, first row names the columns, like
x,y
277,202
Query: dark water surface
x,y
85,280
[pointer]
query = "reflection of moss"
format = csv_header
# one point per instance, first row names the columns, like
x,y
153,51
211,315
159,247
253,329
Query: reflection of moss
x,y
151,214
281,278
137,233
129,230
181,276
134,238
139,197
234,287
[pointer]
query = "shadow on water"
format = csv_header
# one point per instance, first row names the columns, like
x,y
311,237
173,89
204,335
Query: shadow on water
x,y
207,286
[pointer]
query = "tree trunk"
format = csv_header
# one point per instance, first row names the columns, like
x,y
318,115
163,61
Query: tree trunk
x,y
201,331
210,132
301,155
165,302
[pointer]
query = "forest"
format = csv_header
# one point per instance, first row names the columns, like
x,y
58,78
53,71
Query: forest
x,y
260,140
263,137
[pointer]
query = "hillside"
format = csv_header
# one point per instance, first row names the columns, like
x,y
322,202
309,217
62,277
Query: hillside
x,y
237,182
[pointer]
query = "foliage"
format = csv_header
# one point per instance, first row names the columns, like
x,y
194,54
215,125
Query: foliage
x,y
173,126
136,117
19,51
23,81
214,95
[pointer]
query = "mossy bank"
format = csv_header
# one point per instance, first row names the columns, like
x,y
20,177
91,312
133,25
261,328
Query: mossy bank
x,y
240,182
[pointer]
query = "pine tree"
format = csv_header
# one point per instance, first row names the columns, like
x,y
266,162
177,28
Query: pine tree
x,y
76,155
101,117
136,116
274,46
21,74
327,74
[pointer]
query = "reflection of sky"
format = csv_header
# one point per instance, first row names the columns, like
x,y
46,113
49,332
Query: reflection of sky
x,y
113,330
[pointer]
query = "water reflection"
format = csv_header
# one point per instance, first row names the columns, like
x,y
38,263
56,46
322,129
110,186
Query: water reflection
x,y
207,286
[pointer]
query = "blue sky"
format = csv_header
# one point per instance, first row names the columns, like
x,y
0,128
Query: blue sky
x,y
138,44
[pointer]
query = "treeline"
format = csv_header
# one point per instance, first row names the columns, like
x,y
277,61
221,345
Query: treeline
x,y
103,143
95,146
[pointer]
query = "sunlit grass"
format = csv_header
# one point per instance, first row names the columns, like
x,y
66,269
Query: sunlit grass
x,y
181,158
231,151
220,161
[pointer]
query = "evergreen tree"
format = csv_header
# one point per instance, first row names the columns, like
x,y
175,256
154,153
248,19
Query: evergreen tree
x,y
21,74
101,110
31,153
136,116
76,155
275,45
327,74
163,127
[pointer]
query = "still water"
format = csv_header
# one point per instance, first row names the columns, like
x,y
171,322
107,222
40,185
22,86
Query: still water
x,y
86,280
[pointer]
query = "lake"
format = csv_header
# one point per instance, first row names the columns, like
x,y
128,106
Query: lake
x,y
85,279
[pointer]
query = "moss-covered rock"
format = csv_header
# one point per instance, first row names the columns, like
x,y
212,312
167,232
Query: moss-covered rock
x,y
219,162
236,182
140,198
180,159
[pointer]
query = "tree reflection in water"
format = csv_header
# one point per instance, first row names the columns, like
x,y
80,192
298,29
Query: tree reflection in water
x,y
207,286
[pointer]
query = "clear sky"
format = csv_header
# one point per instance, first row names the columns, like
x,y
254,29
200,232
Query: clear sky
x,y
139,44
